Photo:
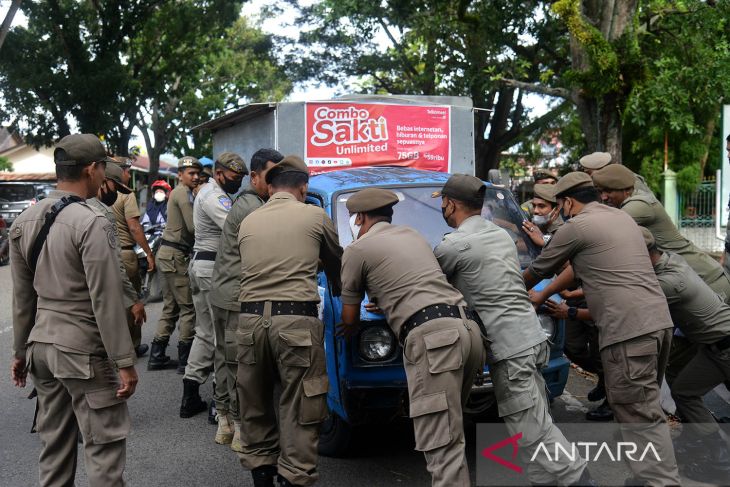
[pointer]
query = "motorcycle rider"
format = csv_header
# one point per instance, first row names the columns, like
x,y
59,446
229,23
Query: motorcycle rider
x,y
156,212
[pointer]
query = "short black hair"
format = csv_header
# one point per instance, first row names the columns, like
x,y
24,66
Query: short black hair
x,y
727,138
71,173
262,156
385,212
585,194
290,179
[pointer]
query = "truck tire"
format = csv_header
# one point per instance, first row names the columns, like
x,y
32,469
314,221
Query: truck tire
x,y
334,437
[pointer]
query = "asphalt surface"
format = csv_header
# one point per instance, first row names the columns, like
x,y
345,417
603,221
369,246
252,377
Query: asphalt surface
x,y
165,450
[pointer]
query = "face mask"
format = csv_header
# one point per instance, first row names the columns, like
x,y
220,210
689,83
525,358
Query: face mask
x,y
563,215
159,196
443,214
354,228
230,186
107,197
540,220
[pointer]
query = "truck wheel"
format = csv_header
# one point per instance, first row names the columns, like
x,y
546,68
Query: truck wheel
x,y
334,437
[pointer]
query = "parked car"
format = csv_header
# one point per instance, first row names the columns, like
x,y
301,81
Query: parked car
x,y
367,378
17,196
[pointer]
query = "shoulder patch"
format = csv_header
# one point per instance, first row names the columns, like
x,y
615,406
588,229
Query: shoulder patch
x,y
225,201
111,235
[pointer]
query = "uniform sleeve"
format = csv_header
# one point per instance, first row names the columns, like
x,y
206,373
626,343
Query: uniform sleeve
x,y
669,289
331,255
641,212
25,299
447,256
186,209
217,207
131,209
98,253
130,294
353,288
562,247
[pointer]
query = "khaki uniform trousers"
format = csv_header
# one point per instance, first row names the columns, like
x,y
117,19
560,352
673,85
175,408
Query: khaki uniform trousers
x,y
524,406
442,358
77,392
290,349
176,295
225,323
633,371
131,265
708,368
202,354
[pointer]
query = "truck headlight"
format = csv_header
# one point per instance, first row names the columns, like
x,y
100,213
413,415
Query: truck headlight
x,y
548,325
376,343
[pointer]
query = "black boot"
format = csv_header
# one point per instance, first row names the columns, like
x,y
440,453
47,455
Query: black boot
x,y
601,413
141,349
191,403
263,476
283,482
599,392
714,465
183,352
158,360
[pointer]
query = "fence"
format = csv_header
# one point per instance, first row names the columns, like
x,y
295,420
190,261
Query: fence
x,y
697,213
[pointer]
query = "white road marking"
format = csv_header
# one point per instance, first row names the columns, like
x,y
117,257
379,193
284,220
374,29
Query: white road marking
x,y
571,403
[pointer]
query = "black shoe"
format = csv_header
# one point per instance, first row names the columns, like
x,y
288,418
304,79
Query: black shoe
x,y
585,479
601,413
158,360
212,412
283,482
183,352
141,350
598,393
710,462
191,403
264,476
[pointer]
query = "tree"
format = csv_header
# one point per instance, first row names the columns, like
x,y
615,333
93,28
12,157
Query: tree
x,y
5,164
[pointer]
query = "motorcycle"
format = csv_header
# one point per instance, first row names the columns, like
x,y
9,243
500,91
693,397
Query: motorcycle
x,y
151,286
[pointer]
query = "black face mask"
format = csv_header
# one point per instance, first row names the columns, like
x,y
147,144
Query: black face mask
x,y
108,197
230,186
443,214
563,215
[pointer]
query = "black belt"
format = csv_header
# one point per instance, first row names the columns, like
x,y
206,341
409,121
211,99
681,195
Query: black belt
x,y
175,245
299,308
722,344
204,255
127,247
433,312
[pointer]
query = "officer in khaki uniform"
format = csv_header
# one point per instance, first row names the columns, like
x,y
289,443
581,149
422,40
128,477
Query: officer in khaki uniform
x,y
281,244
480,260
442,344
545,219
598,160
225,291
539,177
609,257
173,258
210,209
705,321
68,323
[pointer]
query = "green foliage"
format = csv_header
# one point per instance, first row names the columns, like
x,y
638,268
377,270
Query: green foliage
x,y
688,178
5,164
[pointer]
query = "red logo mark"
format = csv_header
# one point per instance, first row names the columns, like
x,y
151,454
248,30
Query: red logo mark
x,y
487,452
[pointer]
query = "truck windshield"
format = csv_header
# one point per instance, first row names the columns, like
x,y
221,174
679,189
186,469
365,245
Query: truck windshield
x,y
17,192
417,209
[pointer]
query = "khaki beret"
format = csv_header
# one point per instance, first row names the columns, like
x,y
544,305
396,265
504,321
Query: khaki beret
x,y
78,149
232,161
571,181
123,162
540,175
545,192
189,161
288,164
596,160
614,176
113,172
462,187
370,199
208,170
648,238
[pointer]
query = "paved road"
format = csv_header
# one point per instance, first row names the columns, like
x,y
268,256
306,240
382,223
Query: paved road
x,y
164,450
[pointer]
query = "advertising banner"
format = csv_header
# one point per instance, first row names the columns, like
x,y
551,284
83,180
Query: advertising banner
x,y
342,135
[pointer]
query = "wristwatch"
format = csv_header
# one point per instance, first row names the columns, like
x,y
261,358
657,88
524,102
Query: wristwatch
x,y
572,312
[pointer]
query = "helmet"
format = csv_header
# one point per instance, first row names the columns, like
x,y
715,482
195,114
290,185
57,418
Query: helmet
x,y
162,184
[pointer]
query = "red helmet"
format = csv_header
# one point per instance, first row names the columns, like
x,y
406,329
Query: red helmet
x,y
162,184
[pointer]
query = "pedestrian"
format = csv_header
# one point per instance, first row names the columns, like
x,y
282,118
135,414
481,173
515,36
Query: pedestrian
x,y
129,229
173,259
210,209
598,160
480,260
156,212
545,216
608,255
68,322
280,336
704,320
225,291
442,344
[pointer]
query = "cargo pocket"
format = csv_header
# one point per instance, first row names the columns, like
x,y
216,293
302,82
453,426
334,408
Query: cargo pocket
x,y
67,364
313,403
630,394
245,353
641,358
515,404
108,416
430,414
231,347
443,351
294,348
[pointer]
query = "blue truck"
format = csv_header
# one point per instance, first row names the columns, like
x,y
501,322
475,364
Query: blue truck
x,y
367,379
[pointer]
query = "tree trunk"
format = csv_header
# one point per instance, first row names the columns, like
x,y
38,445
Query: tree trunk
x,y
8,21
707,139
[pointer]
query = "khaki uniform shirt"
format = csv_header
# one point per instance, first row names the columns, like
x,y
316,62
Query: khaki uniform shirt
x,y
480,260
647,211
130,294
696,309
610,259
396,267
640,186
124,208
282,242
210,210
74,298
226,286
180,228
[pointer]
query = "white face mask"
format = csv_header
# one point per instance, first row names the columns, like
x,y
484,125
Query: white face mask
x,y
159,196
540,220
355,229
